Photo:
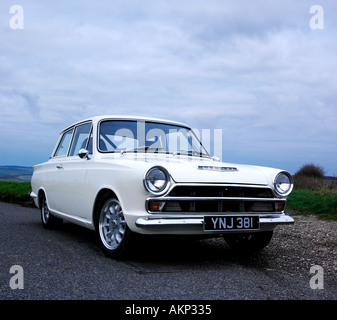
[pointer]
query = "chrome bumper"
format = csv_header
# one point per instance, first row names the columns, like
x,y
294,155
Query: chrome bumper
x,y
152,222
32,195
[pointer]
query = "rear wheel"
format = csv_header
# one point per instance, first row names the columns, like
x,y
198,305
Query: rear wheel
x,y
47,219
249,242
112,231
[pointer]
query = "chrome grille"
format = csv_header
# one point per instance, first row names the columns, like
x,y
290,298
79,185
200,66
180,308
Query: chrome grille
x,y
219,199
221,191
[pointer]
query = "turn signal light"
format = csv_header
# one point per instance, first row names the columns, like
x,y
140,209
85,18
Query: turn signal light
x,y
280,206
156,205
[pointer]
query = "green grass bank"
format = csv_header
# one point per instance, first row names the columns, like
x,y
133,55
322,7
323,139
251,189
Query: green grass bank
x,y
15,192
321,202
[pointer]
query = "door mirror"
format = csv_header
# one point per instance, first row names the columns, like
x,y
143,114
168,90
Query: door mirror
x,y
84,154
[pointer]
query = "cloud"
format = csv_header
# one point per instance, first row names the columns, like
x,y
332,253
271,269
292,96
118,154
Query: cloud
x,y
254,69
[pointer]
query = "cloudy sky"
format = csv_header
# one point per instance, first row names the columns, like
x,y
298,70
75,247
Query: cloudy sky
x,y
259,70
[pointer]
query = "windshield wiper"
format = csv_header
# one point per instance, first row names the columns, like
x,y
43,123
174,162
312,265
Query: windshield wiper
x,y
143,149
191,153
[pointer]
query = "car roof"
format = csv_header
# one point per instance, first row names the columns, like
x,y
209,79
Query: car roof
x,y
96,119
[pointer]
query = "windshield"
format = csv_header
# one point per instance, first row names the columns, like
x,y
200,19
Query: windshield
x,y
138,136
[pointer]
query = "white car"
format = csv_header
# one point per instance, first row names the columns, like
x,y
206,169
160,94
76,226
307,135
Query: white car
x,y
122,175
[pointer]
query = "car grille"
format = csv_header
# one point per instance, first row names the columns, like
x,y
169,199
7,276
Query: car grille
x,y
220,191
220,199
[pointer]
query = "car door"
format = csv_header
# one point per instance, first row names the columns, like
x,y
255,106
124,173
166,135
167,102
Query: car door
x,y
53,172
72,179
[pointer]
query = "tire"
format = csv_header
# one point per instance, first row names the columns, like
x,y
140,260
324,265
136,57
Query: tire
x,y
112,232
47,219
249,242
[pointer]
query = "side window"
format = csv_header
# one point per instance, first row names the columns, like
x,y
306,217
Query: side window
x,y
62,149
81,138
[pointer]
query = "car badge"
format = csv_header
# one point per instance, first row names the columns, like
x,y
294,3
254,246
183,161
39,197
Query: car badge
x,y
222,169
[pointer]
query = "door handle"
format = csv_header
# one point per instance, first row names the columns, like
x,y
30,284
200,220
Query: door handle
x,y
59,166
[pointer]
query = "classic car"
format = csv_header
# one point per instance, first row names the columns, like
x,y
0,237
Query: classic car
x,y
123,175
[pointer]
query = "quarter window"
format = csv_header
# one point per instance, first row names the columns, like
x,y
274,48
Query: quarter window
x,y
62,149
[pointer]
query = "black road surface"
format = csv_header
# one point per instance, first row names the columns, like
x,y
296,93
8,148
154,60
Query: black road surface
x,y
67,263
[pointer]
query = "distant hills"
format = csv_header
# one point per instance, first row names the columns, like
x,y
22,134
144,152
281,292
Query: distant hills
x,y
16,173
19,173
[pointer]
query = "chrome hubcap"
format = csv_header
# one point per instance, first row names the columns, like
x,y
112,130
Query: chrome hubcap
x,y
112,224
45,212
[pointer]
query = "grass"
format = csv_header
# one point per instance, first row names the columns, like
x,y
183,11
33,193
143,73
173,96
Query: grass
x,y
318,201
314,193
15,192
321,202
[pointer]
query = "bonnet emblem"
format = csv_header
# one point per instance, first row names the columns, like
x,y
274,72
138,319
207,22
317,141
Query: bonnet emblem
x,y
222,169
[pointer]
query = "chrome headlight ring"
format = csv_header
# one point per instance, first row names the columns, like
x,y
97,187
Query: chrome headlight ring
x,y
157,180
283,183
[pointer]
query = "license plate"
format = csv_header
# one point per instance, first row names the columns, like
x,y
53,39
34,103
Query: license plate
x,y
230,223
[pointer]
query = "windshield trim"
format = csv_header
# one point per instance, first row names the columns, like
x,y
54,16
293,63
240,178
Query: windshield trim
x,y
146,150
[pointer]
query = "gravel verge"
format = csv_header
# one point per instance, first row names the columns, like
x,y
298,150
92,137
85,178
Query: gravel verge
x,y
309,241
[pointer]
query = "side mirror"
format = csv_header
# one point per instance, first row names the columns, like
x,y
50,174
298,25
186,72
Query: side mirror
x,y
84,154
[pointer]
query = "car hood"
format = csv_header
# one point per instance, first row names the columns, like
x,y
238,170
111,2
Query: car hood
x,y
215,172
197,170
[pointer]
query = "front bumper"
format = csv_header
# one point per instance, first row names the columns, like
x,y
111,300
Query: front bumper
x,y
196,223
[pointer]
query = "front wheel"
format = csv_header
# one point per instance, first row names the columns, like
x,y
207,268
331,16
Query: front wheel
x,y
249,242
112,231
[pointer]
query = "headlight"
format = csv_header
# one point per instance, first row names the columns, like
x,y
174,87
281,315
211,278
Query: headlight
x,y
157,180
283,183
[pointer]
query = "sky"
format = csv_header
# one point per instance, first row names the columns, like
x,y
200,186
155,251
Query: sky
x,y
264,72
